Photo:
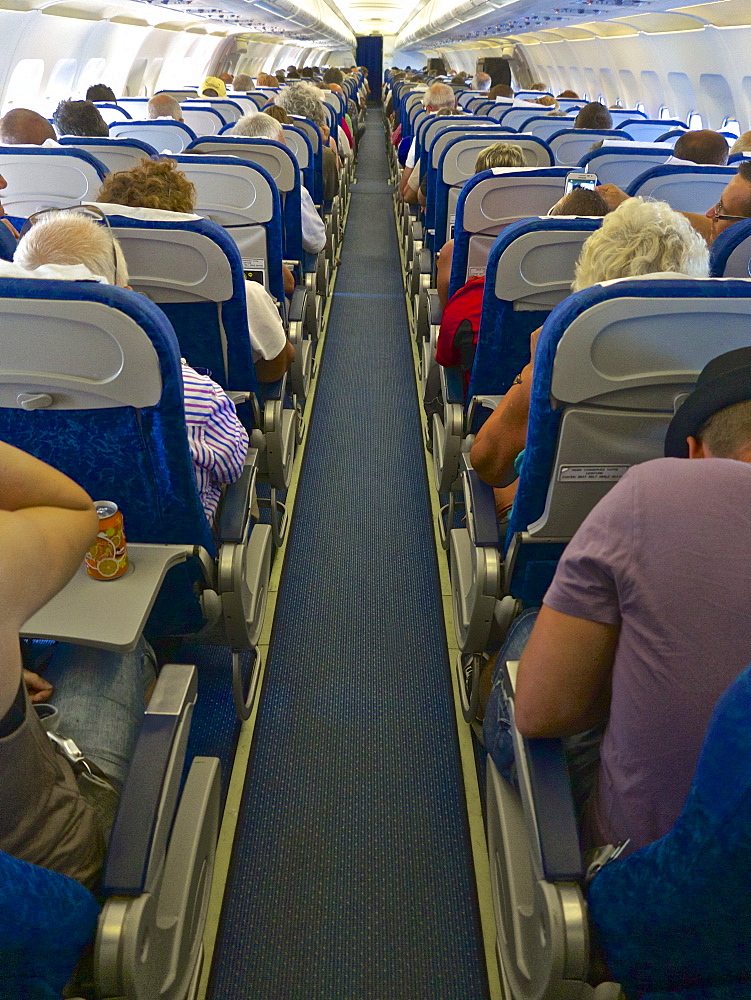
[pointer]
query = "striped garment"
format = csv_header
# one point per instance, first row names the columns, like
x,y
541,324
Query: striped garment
x,y
218,441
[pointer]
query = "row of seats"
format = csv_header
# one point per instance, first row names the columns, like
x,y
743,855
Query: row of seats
x,y
612,363
91,383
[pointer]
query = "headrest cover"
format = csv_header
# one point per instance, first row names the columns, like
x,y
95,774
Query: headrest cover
x,y
724,381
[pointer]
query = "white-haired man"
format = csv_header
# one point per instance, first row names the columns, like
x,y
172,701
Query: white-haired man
x,y
438,96
481,82
261,126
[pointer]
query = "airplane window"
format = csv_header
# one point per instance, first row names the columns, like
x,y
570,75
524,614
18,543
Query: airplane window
x,y
732,125
695,120
640,107
59,85
24,84
93,72
664,112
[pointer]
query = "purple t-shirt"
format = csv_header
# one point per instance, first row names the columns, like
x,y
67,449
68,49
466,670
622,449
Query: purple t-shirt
x,y
667,556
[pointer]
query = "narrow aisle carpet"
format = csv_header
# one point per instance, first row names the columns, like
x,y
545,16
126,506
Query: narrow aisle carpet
x,y
352,874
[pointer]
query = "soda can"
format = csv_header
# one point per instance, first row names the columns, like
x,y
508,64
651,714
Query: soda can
x,y
107,559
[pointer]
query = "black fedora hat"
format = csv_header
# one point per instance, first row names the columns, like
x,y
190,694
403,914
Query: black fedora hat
x,y
724,381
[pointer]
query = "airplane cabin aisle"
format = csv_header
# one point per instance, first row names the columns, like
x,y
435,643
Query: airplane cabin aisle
x,y
352,872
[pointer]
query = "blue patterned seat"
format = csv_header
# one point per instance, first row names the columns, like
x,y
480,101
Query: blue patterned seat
x,y
676,915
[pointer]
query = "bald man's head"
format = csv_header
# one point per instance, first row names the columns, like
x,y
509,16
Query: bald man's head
x,y
164,106
21,127
702,146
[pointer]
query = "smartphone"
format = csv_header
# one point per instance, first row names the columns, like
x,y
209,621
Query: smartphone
x,y
577,179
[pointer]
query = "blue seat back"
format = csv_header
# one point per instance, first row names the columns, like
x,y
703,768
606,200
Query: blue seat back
x,y
543,126
730,254
686,188
313,133
500,107
116,424
242,197
492,200
622,164
161,133
48,177
649,129
569,145
530,270
691,887
201,118
611,363
115,154
193,271
514,116
620,115
451,162
112,112
280,164
38,906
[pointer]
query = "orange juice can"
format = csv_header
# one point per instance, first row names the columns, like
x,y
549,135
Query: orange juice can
x,y
107,559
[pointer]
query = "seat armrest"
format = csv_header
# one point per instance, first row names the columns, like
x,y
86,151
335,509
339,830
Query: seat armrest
x,y
425,261
482,520
435,309
479,409
452,385
546,796
272,390
147,806
296,311
232,522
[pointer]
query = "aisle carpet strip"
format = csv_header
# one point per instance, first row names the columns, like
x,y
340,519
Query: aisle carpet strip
x,y
352,875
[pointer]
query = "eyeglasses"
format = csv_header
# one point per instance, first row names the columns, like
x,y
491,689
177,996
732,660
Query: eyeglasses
x,y
719,215
88,211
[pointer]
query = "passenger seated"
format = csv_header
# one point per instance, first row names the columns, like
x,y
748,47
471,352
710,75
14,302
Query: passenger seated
x,y
302,99
741,145
212,86
218,441
500,90
101,92
242,82
21,127
647,594
500,154
569,95
580,202
639,237
46,816
262,126
440,95
80,118
733,206
164,106
594,115
159,185
702,146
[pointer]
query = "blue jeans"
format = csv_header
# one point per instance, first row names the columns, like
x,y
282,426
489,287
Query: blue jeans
x,y
582,751
496,729
100,697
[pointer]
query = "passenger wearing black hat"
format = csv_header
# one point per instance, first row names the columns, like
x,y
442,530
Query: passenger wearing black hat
x,y
714,421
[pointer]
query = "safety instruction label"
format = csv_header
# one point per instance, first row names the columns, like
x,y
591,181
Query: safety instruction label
x,y
591,473
476,272
254,269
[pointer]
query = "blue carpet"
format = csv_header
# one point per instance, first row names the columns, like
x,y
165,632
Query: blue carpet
x,y
351,876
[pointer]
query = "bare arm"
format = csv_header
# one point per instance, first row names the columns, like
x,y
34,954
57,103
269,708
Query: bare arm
x,y
271,371
701,224
289,280
403,186
564,681
614,197
443,271
47,523
504,434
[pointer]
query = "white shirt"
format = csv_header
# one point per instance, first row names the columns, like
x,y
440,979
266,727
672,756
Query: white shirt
x,y
313,229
